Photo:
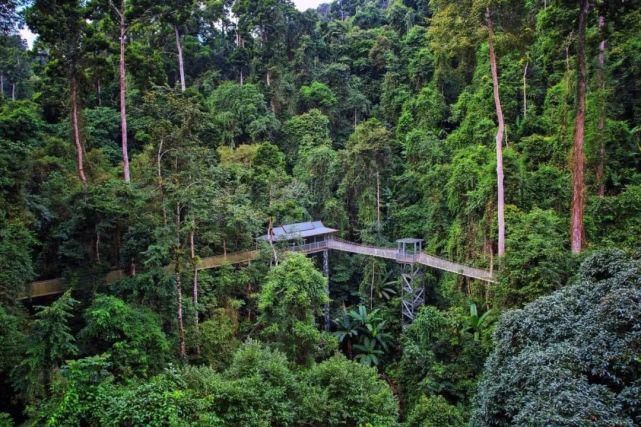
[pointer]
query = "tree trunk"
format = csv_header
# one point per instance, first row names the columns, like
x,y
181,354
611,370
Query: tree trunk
x,y
600,170
97,245
181,325
181,65
99,92
192,250
75,129
578,156
160,181
123,92
378,202
1,85
499,137
525,90
13,91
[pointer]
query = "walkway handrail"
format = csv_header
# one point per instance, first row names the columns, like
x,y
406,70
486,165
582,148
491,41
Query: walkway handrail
x,y
55,286
422,258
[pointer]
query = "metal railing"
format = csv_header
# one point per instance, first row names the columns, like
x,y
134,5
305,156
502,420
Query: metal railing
x,y
309,248
421,258
359,248
56,286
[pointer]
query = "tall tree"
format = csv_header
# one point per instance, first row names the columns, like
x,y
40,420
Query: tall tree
x,y
50,344
9,16
578,155
62,26
500,205
600,170
122,79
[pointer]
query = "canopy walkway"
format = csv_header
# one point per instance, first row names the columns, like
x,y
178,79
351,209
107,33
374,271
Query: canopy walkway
x,y
420,258
56,286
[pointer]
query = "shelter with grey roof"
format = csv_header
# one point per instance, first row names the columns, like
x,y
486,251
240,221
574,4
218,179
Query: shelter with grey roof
x,y
304,232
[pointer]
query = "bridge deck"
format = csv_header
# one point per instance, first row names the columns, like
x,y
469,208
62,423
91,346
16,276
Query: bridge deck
x,y
56,286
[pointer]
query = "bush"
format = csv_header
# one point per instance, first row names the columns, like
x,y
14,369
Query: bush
x,y
258,388
131,335
536,261
217,340
442,355
434,411
571,358
291,299
341,392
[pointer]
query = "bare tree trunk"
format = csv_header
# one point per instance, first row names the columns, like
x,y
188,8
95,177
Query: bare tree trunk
x,y
97,245
378,201
181,325
99,90
181,65
578,156
160,181
499,137
600,170
270,233
525,90
123,92
1,85
192,250
13,91
75,128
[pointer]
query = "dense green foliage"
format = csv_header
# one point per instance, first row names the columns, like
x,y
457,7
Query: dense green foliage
x,y
138,138
580,345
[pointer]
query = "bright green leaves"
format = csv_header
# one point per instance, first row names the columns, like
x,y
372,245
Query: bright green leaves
x,y
240,114
131,335
292,297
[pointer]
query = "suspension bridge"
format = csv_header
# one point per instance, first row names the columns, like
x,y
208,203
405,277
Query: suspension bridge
x,y
311,238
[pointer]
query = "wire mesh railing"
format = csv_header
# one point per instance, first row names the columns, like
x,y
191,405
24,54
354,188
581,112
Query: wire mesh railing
x,y
420,258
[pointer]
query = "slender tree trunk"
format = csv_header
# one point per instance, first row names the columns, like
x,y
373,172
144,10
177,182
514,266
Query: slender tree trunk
x,y
578,156
161,187
378,202
270,234
99,91
525,90
600,170
181,65
499,137
192,250
123,92
1,85
97,245
13,91
75,129
181,325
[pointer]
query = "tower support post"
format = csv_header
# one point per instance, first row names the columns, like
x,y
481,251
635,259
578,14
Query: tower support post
x,y
326,274
412,292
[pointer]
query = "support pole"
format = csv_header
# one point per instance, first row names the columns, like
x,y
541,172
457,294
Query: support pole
x,y
412,294
326,274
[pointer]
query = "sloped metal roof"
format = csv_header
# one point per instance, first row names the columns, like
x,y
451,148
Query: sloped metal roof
x,y
299,230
